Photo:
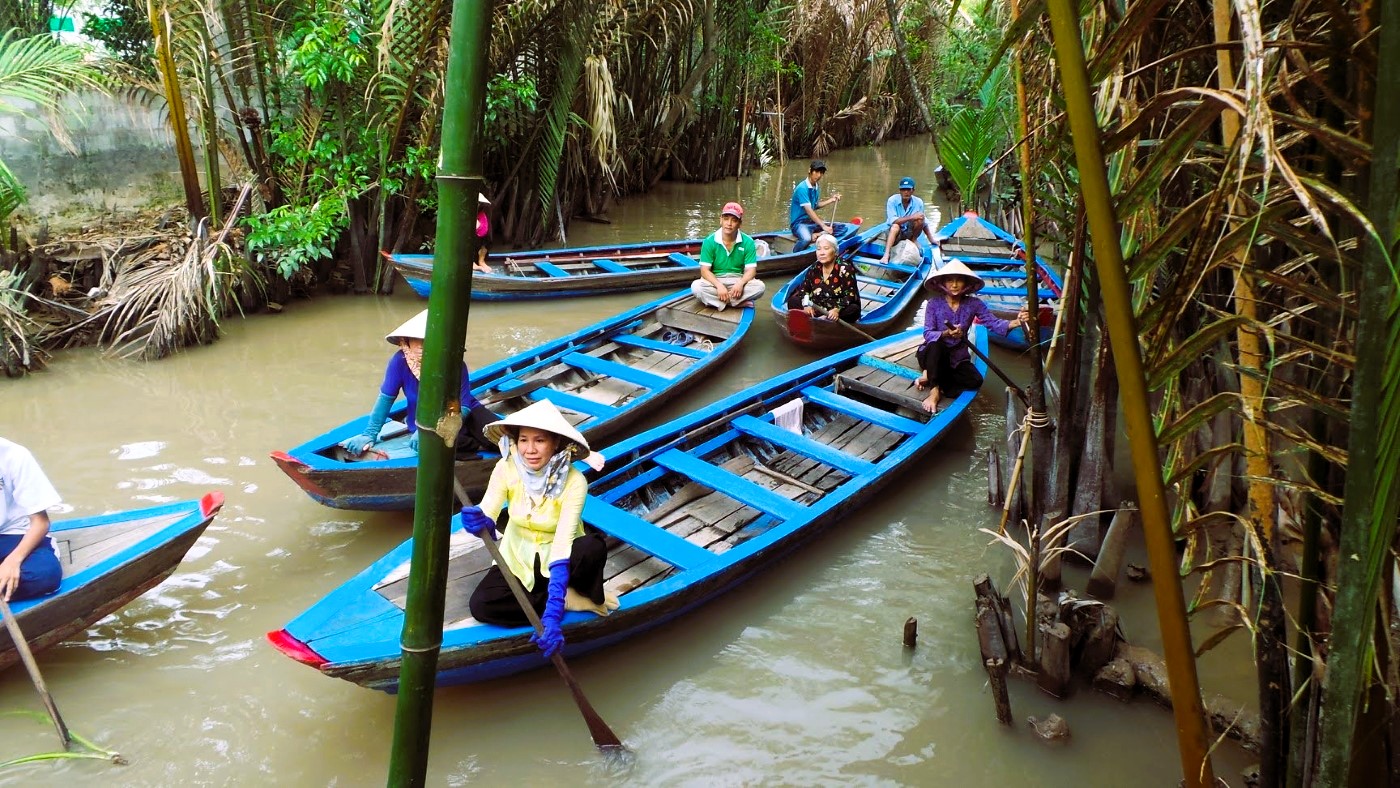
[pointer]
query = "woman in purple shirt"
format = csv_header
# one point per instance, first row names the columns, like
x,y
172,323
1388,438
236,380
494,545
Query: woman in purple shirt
x,y
402,374
944,357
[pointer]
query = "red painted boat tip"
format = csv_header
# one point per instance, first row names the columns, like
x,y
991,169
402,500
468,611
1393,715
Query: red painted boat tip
x,y
211,503
282,458
283,641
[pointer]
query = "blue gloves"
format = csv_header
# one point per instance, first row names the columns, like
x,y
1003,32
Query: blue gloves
x,y
358,443
475,522
552,638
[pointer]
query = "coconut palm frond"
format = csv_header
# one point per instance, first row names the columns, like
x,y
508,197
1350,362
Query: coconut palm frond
x,y
39,70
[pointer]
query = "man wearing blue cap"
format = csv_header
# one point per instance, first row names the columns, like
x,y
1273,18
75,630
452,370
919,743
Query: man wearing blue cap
x,y
905,214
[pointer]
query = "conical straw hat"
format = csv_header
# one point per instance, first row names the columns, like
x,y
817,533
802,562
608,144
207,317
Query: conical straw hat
x,y
541,415
934,284
415,327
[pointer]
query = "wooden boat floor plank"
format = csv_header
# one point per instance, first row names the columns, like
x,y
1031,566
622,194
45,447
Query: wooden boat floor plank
x,y
81,548
897,398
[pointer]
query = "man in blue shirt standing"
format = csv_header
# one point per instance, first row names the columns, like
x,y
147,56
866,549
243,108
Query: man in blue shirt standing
x,y
806,201
905,214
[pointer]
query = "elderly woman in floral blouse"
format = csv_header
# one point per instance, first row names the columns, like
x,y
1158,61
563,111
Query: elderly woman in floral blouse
x,y
827,288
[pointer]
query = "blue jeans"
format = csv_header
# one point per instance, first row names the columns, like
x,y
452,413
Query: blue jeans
x,y
803,230
40,573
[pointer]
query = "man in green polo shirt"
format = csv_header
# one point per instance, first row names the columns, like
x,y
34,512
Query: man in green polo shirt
x,y
728,264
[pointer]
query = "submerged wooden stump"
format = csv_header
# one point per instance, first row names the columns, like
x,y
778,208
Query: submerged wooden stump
x,y
1103,581
1055,672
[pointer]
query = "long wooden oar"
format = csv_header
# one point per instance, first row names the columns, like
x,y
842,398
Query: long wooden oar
x,y
603,736
26,656
1020,394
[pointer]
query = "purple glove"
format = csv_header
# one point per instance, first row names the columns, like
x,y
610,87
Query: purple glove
x,y
552,638
475,522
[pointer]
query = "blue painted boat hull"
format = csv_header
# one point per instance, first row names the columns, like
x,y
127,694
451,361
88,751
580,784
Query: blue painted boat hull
x,y
107,561
353,632
329,477
888,290
596,270
1002,267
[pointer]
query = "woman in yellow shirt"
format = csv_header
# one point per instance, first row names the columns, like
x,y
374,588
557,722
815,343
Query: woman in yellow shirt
x,y
536,480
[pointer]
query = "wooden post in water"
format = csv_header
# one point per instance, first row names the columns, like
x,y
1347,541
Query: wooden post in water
x,y
439,411
994,657
911,632
1103,580
1054,659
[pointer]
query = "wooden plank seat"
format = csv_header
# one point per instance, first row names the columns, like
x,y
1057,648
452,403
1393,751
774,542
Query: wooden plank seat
x,y
891,266
888,366
601,366
801,444
645,536
860,410
881,384
664,347
683,260
1014,291
550,268
574,402
736,487
611,267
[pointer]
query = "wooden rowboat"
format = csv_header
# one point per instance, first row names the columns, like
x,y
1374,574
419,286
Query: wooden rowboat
x,y
600,270
887,290
1000,259
107,561
602,377
690,509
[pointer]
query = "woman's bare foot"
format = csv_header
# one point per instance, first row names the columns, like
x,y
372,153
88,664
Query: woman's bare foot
x,y
931,401
922,382
573,600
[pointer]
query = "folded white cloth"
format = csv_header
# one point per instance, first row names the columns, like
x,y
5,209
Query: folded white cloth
x,y
789,416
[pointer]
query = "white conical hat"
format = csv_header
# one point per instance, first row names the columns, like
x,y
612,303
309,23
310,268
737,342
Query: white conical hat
x,y
481,199
950,268
415,327
541,415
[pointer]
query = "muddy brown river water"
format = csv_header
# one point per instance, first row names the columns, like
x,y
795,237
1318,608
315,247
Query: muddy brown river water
x,y
797,678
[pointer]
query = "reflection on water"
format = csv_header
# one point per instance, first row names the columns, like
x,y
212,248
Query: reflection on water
x,y
799,677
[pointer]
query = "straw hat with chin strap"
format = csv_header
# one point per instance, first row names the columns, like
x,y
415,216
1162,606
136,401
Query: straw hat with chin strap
x,y
541,415
954,267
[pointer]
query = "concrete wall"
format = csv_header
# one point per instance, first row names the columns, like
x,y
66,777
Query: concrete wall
x,y
125,158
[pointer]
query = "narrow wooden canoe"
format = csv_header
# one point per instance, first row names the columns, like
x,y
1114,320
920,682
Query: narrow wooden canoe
x,y
690,509
999,258
107,561
600,270
602,377
887,290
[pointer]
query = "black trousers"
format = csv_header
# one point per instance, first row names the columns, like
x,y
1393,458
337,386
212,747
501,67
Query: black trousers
x,y
493,603
934,359
471,438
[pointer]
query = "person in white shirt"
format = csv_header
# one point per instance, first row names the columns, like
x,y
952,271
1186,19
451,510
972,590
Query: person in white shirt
x,y
28,562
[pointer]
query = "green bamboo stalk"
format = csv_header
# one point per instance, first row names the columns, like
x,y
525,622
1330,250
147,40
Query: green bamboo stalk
x,y
1034,468
1193,738
439,411
1371,495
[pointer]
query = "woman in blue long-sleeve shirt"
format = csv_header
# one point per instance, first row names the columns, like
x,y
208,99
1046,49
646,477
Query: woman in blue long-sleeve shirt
x,y
944,357
402,374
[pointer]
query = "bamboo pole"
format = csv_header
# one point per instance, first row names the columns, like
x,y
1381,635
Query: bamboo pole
x,y
439,411
1193,737
1032,463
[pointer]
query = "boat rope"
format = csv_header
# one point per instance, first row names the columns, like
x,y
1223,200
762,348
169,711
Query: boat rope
x,y
1034,419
